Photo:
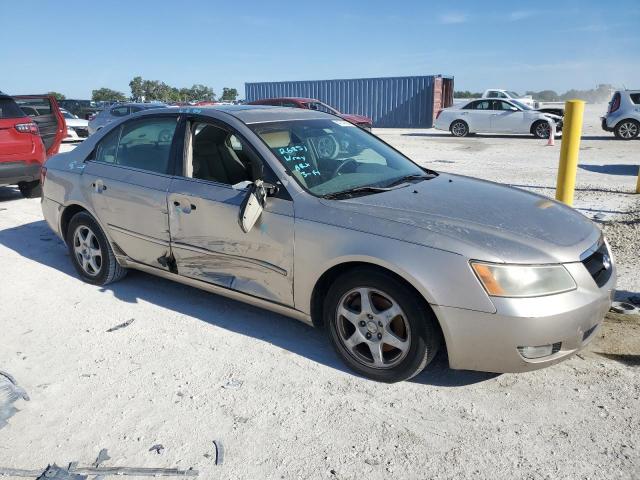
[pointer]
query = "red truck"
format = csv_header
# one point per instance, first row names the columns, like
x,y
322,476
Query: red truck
x,y
27,140
313,104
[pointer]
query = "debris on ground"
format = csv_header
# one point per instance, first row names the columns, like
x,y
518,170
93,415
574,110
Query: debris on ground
x,y
103,456
624,307
121,325
233,383
157,448
10,392
219,453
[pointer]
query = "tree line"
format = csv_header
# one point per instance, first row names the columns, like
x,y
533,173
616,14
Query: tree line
x,y
156,90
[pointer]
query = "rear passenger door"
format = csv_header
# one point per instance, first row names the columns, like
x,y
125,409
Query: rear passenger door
x,y
478,116
44,111
127,178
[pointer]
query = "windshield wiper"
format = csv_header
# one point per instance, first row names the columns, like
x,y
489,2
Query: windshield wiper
x,y
363,189
413,176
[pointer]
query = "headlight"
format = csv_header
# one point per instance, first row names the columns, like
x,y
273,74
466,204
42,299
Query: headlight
x,y
523,280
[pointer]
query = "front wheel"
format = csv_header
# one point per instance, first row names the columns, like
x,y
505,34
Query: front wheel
x,y
459,128
627,129
379,327
30,189
541,129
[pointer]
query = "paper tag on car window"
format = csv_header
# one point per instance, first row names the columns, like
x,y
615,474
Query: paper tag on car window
x,y
343,123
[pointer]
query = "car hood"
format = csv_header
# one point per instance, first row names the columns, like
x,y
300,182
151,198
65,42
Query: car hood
x,y
475,218
356,118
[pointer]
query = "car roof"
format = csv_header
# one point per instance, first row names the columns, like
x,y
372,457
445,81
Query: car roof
x,y
249,113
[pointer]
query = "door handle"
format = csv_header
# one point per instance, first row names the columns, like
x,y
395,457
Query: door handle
x,y
98,186
187,208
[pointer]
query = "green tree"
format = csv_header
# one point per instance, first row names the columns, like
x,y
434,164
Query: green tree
x,y
137,91
229,94
107,95
57,95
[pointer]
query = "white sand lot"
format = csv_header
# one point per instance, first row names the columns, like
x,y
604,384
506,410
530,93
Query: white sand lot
x,y
194,367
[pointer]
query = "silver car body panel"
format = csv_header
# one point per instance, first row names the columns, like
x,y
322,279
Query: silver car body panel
x,y
627,109
426,233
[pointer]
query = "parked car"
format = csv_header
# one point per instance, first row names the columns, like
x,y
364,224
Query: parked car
x,y
116,112
306,215
26,140
77,128
623,115
81,108
509,95
313,104
495,116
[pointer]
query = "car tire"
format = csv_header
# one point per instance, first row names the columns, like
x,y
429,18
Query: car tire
x,y
30,189
541,129
459,128
361,340
627,129
90,252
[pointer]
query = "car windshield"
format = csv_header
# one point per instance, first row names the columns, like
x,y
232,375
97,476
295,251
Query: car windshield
x,y
513,94
328,156
521,105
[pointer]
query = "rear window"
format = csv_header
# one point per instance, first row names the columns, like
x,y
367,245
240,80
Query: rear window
x,y
9,109
35,107
635,98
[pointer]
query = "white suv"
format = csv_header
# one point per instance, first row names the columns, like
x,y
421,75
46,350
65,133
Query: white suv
x,y
623,115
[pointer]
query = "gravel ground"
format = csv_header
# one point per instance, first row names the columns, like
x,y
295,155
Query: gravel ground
x,y
194,367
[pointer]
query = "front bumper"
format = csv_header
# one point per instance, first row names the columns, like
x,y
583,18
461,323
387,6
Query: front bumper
x,y
489,342
12,173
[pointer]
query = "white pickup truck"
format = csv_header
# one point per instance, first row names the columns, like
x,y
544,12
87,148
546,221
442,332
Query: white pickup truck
x,y
556,108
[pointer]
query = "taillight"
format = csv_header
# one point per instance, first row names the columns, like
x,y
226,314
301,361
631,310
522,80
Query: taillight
x,y
27,128
438,114
43,174
615,103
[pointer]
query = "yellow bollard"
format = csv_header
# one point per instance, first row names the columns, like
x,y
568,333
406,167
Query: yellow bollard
x,y
571,133
638,184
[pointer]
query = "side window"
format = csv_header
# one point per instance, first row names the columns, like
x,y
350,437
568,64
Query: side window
x,y
635,98
501,95
470,106
143,144
218,155
120,111
483,105
290,104
505,106
108,147
492,94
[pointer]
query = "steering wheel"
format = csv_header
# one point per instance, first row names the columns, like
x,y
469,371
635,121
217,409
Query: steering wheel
x,y
327,147
341,167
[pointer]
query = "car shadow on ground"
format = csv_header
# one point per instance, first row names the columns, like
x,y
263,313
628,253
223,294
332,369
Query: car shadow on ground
x,y
36,242
614,169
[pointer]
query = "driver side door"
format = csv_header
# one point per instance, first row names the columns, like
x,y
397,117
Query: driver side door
x,y
505,119
204,202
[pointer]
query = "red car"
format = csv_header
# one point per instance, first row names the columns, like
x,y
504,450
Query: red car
x,y
313,104
27,138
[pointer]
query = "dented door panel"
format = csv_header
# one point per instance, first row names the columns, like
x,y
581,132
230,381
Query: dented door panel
x,y
208,243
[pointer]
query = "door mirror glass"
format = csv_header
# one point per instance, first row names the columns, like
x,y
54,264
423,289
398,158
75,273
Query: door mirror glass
x,y
252,206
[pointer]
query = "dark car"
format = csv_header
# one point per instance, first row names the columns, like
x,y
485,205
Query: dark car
x,y
81,108
313,104
31,130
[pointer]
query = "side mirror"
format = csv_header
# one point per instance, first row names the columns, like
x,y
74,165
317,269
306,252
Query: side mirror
x,y
252,206
513,109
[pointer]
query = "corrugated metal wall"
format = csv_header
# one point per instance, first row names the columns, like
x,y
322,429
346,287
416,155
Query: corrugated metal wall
x,y
401,102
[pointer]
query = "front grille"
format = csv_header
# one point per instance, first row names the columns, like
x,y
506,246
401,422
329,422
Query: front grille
x,y
599,265
82,132
555,348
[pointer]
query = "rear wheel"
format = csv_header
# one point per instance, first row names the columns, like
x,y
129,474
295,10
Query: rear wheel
x,y
627,129
30,189
541,129
379,327
459,128
90,251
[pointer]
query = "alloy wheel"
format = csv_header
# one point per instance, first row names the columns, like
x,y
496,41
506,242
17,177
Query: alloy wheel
x,y
543,130
373,328
459,129
628,130
87,250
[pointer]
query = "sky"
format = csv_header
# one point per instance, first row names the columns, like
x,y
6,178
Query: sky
x,y
74,47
